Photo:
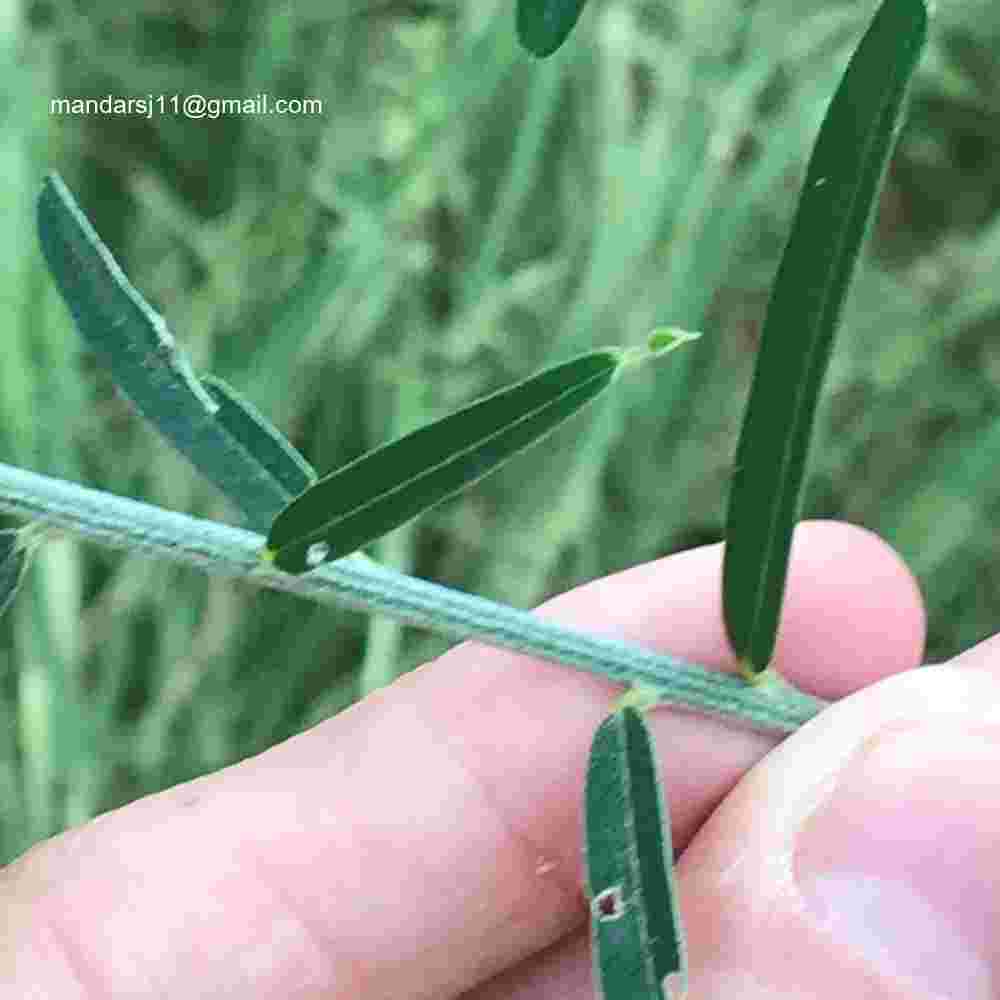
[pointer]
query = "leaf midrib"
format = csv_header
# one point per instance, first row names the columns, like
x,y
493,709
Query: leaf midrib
x,y
318,533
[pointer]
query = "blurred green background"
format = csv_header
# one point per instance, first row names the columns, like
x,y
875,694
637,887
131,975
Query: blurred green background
x,y
459,215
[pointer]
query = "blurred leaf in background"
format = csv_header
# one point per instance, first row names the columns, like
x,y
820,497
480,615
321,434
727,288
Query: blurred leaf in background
x,y
458,216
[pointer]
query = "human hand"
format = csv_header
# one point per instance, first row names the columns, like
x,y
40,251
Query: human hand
x,y
426,843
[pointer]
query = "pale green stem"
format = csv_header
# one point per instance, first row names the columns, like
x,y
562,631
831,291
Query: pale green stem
x,y
359,583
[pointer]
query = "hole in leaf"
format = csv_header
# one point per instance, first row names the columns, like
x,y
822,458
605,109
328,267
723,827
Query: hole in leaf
x,y
608,905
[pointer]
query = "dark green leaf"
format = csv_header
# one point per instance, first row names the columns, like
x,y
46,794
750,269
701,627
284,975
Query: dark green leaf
x,y
834,210
636,932
392,484
250,428
133,342
543,25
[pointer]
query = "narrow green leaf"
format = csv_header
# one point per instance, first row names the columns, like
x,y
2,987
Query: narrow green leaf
x,y
832,218
543,25
638,942
392,484
16,547
247,425
133,341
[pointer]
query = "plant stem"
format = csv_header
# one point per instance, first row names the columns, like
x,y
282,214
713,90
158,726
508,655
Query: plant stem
x,y
359,583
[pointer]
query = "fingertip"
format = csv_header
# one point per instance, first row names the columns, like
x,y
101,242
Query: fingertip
x,y
853,611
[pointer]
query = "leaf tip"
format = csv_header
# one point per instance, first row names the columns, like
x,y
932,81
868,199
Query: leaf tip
x,y
667,338
660,341
537,39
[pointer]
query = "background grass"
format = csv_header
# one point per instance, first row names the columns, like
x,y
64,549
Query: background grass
x,y
458,216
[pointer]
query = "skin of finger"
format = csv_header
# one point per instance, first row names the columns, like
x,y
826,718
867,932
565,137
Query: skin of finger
x,y
749,933
428,837
740,867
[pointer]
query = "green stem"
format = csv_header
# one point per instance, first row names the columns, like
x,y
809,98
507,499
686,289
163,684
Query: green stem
x,y
359,583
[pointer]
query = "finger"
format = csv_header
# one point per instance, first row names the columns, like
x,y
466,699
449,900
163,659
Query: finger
x,y
860,858
853,614
863,857
428,837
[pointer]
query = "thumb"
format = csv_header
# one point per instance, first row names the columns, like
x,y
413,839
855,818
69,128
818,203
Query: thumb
x,y
862,856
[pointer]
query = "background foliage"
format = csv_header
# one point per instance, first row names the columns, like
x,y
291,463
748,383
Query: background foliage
x,y
459,216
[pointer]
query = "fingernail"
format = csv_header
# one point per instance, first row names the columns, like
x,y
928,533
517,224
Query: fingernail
x,y
901,864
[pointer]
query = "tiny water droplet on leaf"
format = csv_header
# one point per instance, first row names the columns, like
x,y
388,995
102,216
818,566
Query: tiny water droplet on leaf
x,y
317,553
